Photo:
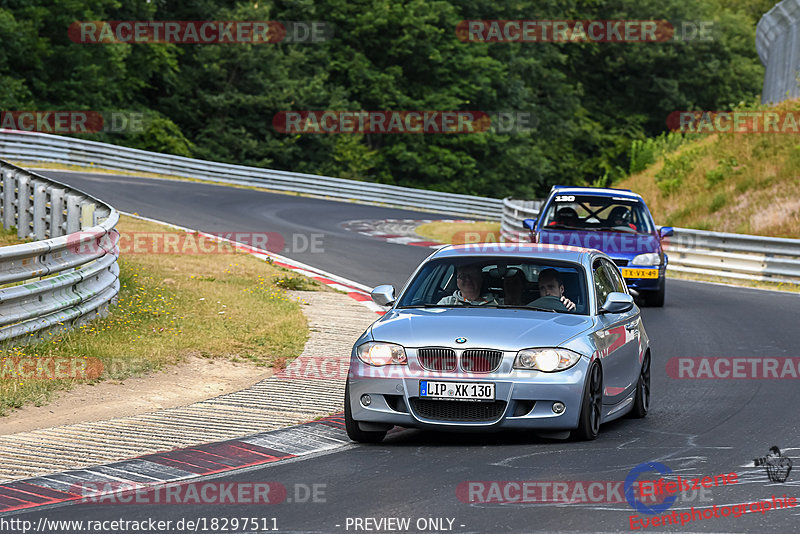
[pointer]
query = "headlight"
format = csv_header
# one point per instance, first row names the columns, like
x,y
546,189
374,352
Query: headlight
x,y
379,354
651,258
546,360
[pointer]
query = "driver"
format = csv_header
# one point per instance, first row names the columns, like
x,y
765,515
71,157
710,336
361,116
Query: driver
x,y
469,279
620,216
551,285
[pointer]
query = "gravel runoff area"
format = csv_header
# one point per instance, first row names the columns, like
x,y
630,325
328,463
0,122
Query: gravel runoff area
x,y
335,322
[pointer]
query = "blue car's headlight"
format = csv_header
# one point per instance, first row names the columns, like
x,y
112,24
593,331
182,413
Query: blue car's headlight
x,y
651,258
546,360
379,354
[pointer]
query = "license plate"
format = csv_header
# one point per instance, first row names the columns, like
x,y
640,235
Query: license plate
x,y
456,390
640,273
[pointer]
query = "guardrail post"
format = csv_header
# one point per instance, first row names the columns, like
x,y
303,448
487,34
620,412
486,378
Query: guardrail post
x,y
58,216
88,216
24,207
73,213
39,210
9,200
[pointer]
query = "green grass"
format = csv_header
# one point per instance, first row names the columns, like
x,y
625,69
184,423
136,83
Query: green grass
x,y
743,183
229,305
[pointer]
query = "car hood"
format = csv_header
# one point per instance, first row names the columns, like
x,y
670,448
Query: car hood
x,y
615,244
503,329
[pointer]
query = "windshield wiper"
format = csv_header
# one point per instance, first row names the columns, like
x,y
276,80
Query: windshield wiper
x,y
522,307
458,305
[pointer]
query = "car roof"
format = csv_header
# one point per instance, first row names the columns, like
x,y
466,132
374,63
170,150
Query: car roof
x,y
596,191
518,250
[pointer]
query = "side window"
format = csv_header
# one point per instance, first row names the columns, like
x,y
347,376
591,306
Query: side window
x,y
617,282
602,283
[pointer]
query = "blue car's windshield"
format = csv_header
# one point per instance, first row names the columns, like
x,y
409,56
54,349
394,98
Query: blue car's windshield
x,y
489,282
587,212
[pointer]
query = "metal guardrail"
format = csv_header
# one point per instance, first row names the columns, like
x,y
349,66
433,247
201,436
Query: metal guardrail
x,y
777,41
33,147
67,277
739,256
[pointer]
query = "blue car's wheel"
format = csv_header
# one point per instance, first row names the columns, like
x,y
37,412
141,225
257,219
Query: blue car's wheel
x,y
592,405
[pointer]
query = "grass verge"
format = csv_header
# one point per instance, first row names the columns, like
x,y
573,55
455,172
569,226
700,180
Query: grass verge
x,y
461,232
756,284
227,305
733,182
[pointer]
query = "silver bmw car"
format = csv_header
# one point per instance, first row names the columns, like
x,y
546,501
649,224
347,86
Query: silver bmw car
x,y
490,336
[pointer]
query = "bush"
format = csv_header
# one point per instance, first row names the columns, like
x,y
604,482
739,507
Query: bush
x,y
671,175
645,152
719,200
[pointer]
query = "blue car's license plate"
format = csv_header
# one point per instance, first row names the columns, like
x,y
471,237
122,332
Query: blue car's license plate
x,y
456,390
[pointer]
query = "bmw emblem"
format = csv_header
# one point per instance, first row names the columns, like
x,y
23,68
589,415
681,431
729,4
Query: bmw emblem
x,y
461,340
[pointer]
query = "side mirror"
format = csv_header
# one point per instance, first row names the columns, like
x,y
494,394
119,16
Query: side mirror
x,y
530,224
383,295
617,302
666,231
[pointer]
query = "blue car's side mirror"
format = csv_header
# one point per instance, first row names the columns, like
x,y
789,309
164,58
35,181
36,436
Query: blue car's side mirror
x,y
530,224
665,231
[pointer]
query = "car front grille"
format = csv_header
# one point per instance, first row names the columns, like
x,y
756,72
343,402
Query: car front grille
x,y
434,359
480,360
444,410
621,263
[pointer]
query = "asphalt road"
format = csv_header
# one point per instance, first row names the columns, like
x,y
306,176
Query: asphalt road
x,y
296,220
696,427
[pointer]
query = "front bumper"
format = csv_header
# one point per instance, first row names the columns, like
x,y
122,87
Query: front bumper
x,y
526,398
647,284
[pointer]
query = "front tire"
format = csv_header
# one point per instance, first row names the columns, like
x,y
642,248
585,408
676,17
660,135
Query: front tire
x,y
641,404
591,407
351,425
656,298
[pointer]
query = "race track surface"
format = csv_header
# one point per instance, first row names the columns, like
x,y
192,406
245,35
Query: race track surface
x,y
697,428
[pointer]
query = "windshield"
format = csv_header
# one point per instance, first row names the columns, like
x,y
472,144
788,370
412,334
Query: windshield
x,y
586,212
493,283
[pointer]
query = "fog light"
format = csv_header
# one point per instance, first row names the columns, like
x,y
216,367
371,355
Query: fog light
x,y
366,400
558,408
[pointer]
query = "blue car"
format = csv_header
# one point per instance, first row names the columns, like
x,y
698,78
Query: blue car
x,y
490,336
614,221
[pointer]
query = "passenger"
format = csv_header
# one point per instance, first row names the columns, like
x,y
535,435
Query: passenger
x,y
551,285
469,280
566,216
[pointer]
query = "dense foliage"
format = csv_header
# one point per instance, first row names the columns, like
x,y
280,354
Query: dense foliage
x,y
591,101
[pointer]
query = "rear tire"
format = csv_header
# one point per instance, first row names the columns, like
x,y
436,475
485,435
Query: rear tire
x,y
351,425
641,404
591,406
